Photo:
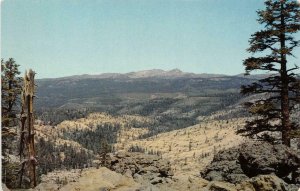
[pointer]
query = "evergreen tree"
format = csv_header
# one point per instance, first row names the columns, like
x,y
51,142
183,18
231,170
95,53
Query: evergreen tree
x,y
279,91
104,150
10,91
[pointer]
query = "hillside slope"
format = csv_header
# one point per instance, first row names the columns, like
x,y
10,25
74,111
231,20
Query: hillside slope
x,y
189,150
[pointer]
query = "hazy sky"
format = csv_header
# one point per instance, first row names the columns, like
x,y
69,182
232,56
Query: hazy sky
x,y
68,37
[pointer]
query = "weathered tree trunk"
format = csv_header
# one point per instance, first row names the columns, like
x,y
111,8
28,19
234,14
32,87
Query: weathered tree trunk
x,y
27,149
286,124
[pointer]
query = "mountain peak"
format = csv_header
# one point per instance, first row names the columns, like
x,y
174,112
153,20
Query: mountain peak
x,y
176,70
174,73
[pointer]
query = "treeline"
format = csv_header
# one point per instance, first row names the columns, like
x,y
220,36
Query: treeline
x,y
56,116
140,149
51,156
96,139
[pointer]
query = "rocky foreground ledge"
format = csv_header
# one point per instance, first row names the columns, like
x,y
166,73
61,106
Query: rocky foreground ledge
x,y
254,166
257,166
249,167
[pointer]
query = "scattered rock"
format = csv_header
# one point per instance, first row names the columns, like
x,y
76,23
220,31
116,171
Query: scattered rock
x,y
214,175
252,159
61,177
296,176
151,167
148,188
156,180
266,183
46,187
128,173
220,186
245,186
235,178
103,189
138,178
168,180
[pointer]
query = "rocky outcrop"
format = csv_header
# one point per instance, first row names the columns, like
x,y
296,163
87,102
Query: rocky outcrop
x,y
264,158
252,159
264,183
258,183
225,167
150,167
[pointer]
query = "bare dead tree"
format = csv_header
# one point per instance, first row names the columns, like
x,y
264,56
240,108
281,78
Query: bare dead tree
x,y
27,149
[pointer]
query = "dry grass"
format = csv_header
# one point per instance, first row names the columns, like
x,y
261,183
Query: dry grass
x,y
191,149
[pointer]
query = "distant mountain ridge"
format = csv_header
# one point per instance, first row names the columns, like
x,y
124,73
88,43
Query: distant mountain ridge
x,y
153,73
156,92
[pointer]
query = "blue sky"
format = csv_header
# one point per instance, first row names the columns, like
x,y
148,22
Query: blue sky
x,y
68,37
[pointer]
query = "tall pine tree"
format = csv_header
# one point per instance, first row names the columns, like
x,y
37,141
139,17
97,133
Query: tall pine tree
x,y
10,90
278,92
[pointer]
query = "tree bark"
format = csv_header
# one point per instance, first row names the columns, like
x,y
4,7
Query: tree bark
x,y
286,124
27,128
